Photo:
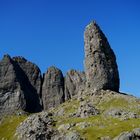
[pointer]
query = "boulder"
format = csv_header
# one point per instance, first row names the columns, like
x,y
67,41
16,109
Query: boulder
x,y
72,136
37,127
133,135
41,127
121,114
74,81
86,109
53,88
100,62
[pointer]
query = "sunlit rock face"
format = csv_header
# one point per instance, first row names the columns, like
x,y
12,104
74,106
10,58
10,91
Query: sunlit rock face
x,y
100,61
74,81
52,88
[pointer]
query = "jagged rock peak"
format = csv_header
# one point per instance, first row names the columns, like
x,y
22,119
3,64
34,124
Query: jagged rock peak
x,y
92,24
19,59
53,88
6,57
20,85
53,68
100,61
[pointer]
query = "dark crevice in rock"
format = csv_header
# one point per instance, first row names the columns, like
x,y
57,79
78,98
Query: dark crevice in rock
x,y
30,93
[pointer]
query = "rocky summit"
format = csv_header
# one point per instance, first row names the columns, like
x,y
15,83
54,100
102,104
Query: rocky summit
x,y
77,106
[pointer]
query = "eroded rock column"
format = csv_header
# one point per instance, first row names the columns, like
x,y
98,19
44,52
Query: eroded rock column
x,y
53,88
100,61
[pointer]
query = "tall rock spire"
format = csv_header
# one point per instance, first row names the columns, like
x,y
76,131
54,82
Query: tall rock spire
x,y
100,61
53,88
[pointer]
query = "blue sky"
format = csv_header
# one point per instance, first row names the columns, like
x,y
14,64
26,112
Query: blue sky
x,y
50,32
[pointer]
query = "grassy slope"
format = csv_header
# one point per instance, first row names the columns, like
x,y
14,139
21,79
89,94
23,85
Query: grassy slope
x,y
8,126
101,125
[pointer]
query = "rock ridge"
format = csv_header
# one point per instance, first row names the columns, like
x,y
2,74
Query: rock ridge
x,y
22,87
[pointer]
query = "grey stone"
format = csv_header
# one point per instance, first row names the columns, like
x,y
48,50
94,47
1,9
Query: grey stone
x,y
86,110
64,127
105,138
32,71
53,88
83,125
11,94
37,127
59,112
100,61
72,136
16,90
133,135
74,81
136,131
121,114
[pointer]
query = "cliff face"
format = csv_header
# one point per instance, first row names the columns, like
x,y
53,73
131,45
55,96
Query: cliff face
x,y
16,90
74,81
11,94
53,88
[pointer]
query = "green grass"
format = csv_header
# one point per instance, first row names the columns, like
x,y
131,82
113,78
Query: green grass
x,y
111,128
120,103
115,102
69,107
102,126
8,126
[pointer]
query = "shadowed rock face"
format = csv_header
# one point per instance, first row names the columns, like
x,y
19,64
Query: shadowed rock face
x,y
29,77
53,88
32,71
11,94
74,81
100,61
16,90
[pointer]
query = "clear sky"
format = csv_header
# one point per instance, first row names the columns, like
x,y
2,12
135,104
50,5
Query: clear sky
x,y
50,32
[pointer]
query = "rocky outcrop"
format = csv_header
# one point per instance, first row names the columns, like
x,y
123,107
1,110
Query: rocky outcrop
x,y
121,114
53,88
74,81
38,127
11,94
86,109
100,61
41,127
134,135
16,90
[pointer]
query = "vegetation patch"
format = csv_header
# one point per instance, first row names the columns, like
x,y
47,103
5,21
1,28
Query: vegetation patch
x,y
8,126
